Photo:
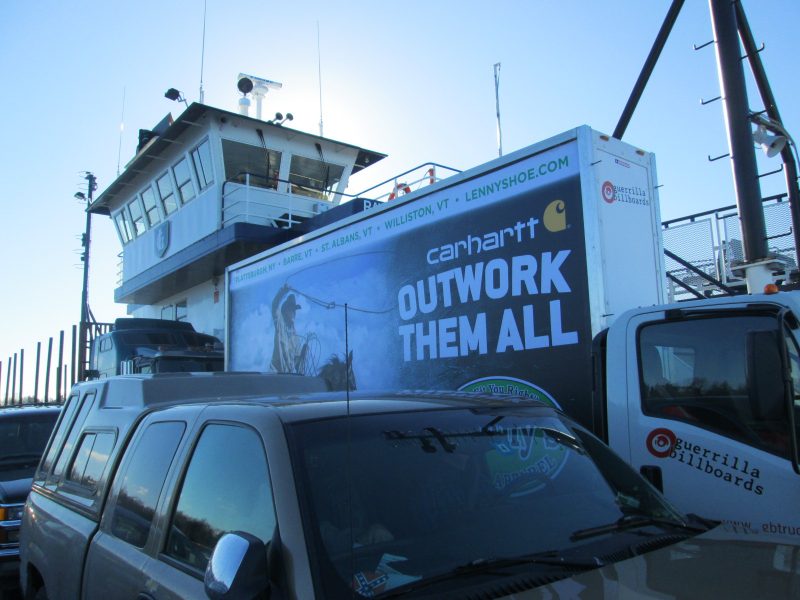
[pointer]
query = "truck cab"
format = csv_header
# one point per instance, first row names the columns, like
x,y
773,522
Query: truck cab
x,y
137,345
701,397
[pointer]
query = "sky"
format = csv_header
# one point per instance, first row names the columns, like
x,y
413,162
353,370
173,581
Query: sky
x,y
411,79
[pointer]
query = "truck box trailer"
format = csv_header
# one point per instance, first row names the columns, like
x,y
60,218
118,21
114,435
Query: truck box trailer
x,y
541,274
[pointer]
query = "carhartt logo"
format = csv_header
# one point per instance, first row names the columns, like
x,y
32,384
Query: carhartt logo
x,y
660,442
608,192
555,216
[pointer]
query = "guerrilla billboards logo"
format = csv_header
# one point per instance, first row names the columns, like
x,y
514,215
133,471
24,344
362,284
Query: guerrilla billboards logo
x,y
660,442
663,443
626,194
482,283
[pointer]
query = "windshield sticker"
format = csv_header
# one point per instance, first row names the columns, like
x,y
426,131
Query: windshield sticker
x,y
383,578
369,583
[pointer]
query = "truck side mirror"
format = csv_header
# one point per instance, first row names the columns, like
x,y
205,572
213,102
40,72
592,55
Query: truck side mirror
x,y
237,568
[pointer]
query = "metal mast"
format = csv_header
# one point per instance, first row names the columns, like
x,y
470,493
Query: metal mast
x,y
740,143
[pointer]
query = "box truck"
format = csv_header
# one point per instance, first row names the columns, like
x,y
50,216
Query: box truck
x,y
541,274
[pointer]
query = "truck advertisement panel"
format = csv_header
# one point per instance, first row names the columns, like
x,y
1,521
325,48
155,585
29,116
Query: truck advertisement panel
x,y
478,286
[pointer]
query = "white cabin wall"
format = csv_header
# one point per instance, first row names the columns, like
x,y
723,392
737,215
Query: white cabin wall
x,y
202,311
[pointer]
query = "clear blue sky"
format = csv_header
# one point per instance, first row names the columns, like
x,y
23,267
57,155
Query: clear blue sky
x,y
412,79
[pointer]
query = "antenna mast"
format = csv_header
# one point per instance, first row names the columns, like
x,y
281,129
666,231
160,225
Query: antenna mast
x,y
121,129
203,50
497,106
319,73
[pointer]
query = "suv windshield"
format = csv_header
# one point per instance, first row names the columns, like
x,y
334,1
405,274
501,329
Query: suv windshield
x,y
393,500
23,436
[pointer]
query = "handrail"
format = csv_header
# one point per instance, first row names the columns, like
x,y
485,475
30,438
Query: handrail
x,y
690,218
391,179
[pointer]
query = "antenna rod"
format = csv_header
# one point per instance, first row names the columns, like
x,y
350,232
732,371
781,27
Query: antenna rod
x,y
121,129
497,106
319,73
203,50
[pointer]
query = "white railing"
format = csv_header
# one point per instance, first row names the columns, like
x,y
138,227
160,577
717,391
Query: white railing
x,y
245,203
712,243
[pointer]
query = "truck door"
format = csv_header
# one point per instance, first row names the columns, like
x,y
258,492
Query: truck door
x,y
708,411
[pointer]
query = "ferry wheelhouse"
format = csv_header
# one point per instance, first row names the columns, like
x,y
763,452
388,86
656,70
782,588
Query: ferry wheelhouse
x,y
211,188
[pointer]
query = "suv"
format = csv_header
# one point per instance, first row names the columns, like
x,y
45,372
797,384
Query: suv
x,y
24,431
195,485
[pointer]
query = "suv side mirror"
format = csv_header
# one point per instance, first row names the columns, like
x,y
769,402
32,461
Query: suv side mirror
x,y
92,374
237,568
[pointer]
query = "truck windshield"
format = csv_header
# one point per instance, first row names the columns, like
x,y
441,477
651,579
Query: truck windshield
x,y
392,500
181,365
23,437
719,373
793,353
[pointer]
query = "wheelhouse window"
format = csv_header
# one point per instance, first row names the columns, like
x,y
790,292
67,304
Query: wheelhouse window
x,y
201,158
314,178
183,178
137,217
167,194
124,227
246,163
150,207
721,374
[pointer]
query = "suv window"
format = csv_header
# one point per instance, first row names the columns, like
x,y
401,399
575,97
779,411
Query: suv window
x,y
91,458
64,422
226,488
142,481
71,434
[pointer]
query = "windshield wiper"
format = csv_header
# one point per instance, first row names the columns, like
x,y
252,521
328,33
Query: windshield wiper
x,y
631,522
481,565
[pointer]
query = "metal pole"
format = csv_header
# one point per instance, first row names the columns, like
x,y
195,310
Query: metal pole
x,y
497,106
87,237
14,381
21,373
760,76
47,370
740,142
60,362
36,372
8,378
73,355
647,69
